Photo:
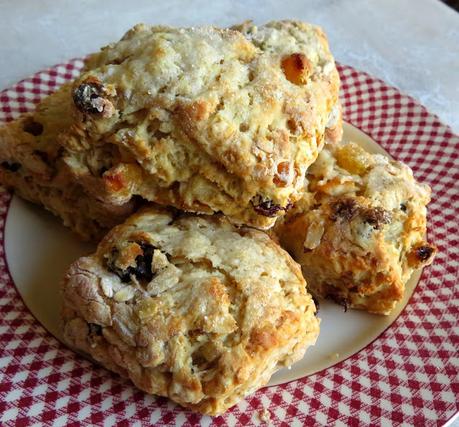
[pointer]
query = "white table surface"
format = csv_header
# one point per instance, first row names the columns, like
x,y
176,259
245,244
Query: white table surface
x,y
411,44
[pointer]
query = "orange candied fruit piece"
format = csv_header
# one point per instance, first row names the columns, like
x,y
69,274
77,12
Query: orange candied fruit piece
x,y
353,158
297,68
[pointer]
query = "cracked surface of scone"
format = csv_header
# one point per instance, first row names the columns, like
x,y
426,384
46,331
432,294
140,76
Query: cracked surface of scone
x,y
205,119
360,230
189,307
31,164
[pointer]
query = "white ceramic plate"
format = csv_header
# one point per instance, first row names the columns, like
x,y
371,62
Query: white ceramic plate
x,y
39,249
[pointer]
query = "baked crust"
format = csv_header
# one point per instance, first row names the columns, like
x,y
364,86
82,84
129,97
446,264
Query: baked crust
x,y
359,232
189,307
205,119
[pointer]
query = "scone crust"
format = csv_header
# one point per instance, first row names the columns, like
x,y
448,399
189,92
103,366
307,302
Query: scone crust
x,y
221,120
220,310
360,231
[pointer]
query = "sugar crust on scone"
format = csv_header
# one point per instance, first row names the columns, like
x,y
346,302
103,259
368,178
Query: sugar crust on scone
x,y
189,307
359,232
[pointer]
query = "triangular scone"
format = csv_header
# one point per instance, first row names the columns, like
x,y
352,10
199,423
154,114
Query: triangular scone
x,y
360,230
204,119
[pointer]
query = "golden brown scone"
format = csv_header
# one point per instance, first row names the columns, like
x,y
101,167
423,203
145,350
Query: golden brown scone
x,y
359,231
189,307
31,164
205,119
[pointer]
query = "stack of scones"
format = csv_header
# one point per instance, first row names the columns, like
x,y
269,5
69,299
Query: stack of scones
x,y
203,160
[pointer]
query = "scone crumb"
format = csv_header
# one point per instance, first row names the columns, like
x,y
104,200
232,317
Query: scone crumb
x,y
264,416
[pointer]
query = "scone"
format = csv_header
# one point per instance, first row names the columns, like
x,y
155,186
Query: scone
x,y
204,119
189,307
360,230
31,163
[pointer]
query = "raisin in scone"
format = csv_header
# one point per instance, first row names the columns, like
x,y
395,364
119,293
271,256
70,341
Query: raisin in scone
x,y
189,307
31,163
360,230
205,119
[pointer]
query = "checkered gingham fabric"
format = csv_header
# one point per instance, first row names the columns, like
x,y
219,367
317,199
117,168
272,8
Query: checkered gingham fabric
x,y
408,376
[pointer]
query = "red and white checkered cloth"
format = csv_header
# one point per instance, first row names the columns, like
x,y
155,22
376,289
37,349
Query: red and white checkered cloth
x,y
409,375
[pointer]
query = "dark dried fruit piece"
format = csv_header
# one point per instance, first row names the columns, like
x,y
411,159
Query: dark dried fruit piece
x,y
33,127
142,270
376,217
338,299
95,329
95,332
347,208
12,167
336,295
85,95
344,209
267,207
44,157
88,99
423,253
